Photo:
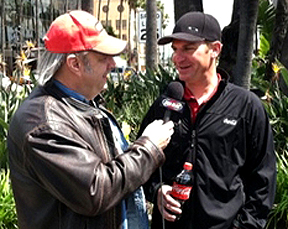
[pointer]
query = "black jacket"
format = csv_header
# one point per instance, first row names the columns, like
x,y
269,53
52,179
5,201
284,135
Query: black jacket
x,y
231,148
66,171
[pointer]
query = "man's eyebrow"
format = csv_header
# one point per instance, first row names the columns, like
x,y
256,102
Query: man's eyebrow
x,y
186,46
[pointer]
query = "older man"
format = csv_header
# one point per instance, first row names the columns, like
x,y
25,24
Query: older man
x,y
70,165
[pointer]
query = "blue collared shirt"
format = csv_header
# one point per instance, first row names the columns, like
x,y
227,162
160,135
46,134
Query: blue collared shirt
x,y
70,92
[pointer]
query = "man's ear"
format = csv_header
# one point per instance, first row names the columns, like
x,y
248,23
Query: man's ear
x,y
216,48
73,63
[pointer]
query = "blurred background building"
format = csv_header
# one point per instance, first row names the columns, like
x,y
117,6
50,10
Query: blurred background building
x,y
25,22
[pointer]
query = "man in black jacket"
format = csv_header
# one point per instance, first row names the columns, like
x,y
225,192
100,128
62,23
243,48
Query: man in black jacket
x,y
223,130
70,164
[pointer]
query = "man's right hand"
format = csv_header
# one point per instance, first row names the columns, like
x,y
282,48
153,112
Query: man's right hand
x,y
167,205
159,132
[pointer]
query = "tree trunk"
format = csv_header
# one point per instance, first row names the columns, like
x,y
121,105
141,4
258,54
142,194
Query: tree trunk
x,y
279,46
51,12
132,8
37,37
3,30
230,35
107,14
99,9
87,5
135,52
77,5
129,37
120,19
248,20
66,6
183,6
151,35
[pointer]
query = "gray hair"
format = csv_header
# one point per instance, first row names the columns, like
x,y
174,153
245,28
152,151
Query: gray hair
x,y
49,64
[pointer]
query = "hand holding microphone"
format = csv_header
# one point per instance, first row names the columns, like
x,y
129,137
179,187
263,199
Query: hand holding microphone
x,y
160,131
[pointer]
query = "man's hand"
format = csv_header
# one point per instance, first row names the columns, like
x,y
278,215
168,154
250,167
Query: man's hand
x,y
166,202
159,133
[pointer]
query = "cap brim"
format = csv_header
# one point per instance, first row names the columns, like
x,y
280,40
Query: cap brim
x,y
179,36
111,46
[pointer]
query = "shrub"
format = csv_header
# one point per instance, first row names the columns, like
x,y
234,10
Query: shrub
x,y
276,104
8,219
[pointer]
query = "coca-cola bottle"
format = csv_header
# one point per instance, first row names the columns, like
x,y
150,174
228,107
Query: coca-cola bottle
x,y
183,184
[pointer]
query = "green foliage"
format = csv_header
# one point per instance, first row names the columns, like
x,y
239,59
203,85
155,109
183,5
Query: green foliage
x,y
129,100
10,99
110,30
11,96
279,214
8,219
276,104
266,17
264,47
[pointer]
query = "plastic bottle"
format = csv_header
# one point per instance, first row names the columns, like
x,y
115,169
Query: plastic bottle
x,y
183,184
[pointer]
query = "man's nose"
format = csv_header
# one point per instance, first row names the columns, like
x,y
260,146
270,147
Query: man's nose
x,y
112,63
178,56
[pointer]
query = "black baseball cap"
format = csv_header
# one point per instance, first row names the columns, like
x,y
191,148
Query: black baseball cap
x,y
194,26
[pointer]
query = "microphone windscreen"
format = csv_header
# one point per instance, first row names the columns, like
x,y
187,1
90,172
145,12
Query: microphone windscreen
x,y
175,90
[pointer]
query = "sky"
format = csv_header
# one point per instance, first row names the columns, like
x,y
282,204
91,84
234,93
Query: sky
x,y
220,9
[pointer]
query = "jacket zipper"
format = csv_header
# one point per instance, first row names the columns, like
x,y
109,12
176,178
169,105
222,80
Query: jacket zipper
x,y
193,146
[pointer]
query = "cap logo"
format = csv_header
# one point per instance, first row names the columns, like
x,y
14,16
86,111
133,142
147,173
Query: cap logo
x,y
193,29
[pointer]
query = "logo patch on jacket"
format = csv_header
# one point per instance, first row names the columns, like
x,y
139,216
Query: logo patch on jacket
x,y
231,122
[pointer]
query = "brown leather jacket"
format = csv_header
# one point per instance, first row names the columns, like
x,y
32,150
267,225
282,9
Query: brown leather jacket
x,y
65,169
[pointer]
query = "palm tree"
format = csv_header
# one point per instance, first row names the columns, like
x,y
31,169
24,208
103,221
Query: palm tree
x,y
120,9
247,29
87,5
133,5
2,39
151,35
230,35
37,36
183,6
99,9
279,46
107,13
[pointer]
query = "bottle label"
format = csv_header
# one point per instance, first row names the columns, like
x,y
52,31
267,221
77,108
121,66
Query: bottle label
x,y
181,192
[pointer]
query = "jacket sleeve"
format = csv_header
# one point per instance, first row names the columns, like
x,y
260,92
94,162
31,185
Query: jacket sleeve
x,y
68,168
259,172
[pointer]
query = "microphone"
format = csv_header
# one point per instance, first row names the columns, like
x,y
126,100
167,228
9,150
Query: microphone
x,y
171,101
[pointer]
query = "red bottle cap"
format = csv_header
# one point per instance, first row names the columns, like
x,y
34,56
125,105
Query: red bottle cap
x,y
188,166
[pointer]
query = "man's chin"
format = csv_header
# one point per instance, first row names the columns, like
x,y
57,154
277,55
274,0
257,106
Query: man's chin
x,y
183,77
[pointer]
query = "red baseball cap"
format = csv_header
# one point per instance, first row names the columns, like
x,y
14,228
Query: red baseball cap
x,y
79,30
